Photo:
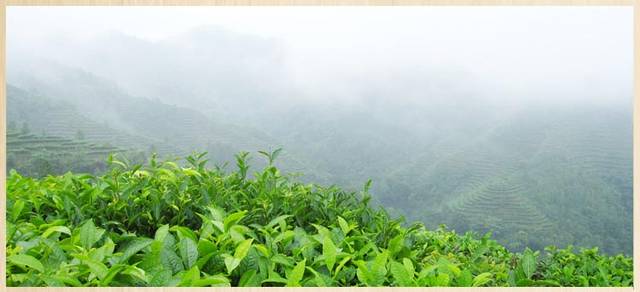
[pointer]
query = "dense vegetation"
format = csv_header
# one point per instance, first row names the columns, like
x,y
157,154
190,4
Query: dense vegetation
x,y
166,224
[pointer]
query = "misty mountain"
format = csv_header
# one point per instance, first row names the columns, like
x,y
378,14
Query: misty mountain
x,y
100,108
207,68
43,115
105,102
441,145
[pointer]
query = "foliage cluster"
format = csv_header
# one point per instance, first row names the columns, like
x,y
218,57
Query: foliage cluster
x,y
165,224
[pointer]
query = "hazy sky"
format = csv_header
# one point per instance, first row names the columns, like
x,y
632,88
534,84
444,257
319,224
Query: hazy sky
x,y
507,49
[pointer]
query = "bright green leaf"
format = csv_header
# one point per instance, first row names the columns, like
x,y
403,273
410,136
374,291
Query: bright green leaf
x,y
24,260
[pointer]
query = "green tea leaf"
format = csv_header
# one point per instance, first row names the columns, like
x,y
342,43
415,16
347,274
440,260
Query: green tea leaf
x,y
106,250
373,273
113,271
89,234
52,229
481,279
465,279
15,212
184,232
162,232
528,263
249,279
329,252
132,247
170,260
160,278
538,283
231,263
396,244
295,276
242,249
24,260
136,273
212,281
378,266
277,220
232,219
189,277
344,225
402,276
442,280
97,268
188,252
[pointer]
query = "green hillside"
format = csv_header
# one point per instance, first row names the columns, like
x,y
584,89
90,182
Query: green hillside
x,y
103,113
532,176
41,155
43,115
103,101
438,176
544,177
163,225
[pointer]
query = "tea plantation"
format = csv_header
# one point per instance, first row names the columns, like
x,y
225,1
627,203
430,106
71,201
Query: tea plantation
x,y
170,223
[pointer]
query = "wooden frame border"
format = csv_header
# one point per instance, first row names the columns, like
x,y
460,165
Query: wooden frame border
x,y
316,2
636,122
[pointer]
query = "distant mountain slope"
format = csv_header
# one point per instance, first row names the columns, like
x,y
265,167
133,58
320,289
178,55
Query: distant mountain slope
x,y
103,101
43,115
209,68
534,176
151,124
562,177
39,155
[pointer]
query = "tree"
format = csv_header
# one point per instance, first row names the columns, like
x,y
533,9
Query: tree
x,y
25,128
80,135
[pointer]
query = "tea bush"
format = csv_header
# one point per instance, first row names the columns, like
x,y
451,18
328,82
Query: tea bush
x,y
163,224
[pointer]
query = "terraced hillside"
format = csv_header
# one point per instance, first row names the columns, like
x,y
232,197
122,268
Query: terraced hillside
x,y
41,114
40,155
500,205
173,132
142,123
163,129
25,142
605,153
186,130
537,179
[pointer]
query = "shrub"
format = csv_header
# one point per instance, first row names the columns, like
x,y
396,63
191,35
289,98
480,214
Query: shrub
x,y
163,224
